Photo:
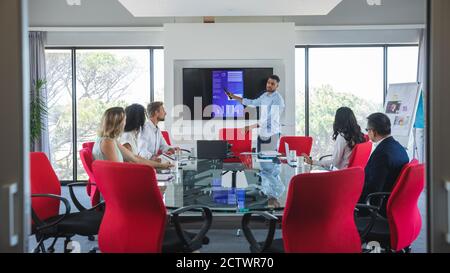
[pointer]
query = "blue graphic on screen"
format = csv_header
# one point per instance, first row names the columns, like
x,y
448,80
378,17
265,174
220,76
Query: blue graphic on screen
x,y
233,81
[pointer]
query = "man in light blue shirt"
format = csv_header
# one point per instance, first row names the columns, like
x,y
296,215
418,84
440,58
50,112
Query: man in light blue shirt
x,y
271,105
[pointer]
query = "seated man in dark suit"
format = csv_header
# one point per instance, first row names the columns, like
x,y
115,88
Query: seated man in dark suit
x,y
387,158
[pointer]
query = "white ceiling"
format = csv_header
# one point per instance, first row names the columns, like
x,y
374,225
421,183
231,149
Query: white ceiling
x,y
168,8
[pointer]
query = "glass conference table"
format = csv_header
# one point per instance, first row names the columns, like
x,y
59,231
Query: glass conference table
x,y
229,188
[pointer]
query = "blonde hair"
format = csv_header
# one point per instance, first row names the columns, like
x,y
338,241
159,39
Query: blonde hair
x,y
111,123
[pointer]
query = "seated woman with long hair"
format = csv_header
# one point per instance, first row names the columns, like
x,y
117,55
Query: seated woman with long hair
x,y
107,147
347,133
135,116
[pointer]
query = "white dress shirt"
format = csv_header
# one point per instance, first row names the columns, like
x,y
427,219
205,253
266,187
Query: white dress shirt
x,y
151,140
375,144
271,107
340,157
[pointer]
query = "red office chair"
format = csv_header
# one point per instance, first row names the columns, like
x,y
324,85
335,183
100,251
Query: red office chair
x,y
87,159
360,155
46,195
135,215
403,223
301,144
89,146
166,137
240,142
318,217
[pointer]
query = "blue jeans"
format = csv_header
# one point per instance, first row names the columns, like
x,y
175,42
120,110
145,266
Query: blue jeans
x,y
271,184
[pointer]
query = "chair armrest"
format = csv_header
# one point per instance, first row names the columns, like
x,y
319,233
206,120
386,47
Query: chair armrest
x,y
203,230
42,224
383,196
249,235
74,198
100,204
368,207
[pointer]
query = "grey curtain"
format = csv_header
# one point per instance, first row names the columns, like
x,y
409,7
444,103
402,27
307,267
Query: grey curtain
x,y
37,42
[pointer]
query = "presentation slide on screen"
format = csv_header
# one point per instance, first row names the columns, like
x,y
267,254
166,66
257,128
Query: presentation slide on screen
x,y
233,81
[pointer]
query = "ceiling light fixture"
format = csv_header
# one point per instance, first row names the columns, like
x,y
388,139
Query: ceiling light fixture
x,y
73,2
374,2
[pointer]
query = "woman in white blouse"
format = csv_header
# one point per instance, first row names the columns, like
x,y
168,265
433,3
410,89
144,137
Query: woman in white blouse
x,y
347,133
136,117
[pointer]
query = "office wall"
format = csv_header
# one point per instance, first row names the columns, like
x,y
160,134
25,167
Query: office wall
x,y
155,37
105,38
230,45
194,43
357,36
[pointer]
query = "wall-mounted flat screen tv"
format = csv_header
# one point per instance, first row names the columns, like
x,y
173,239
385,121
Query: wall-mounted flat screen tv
x,y
210,84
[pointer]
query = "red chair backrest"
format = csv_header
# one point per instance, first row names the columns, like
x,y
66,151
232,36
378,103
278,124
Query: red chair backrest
x,y
319,212
166,137
360,155
403,214
88,145
302,144
43,181
135,215
87,159
241,143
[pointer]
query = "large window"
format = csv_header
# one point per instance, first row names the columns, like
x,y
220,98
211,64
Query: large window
x,y
402,64
356,77
59,88
351,77
300,92
103,78
159,75
107,78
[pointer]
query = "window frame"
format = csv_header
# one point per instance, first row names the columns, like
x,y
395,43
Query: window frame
x,y
151,49
73,51
385,48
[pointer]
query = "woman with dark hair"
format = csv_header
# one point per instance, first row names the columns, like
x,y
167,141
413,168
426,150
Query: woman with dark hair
x,y
346,134
136,117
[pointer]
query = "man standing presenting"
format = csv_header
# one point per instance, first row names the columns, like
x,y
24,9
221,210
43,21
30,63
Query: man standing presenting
x,y
151,141
271,105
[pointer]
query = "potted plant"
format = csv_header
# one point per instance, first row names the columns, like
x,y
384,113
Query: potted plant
x,y
38,110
